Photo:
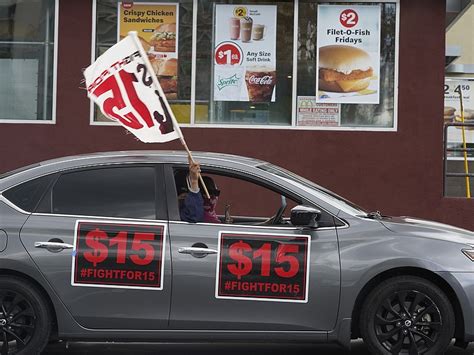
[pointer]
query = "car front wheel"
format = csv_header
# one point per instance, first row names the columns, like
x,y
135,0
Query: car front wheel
x,y
407,315
25,320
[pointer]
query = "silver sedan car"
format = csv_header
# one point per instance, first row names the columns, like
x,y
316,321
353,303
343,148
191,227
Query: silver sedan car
x,y
95,247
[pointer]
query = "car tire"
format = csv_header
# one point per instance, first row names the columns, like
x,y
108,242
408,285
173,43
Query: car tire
x,y
407,315
25,318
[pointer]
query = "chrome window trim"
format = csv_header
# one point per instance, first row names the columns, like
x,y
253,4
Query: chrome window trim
x,y
225,225
99,217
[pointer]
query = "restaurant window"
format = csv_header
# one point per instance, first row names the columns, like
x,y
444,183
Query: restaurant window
x,y
271,64
355,47
165,32
27,60
244,62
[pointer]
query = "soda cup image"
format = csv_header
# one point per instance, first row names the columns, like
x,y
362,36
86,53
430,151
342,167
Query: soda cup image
x,y
258,32
260,82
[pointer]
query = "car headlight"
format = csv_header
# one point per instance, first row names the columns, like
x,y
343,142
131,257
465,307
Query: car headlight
x,y
469,252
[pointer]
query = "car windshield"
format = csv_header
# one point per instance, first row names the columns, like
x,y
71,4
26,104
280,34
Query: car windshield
x,y
309,186
19,170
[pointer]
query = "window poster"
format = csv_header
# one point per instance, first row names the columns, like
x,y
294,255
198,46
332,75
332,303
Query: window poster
x,y
312,114
157,28
245,53
348,55
452,108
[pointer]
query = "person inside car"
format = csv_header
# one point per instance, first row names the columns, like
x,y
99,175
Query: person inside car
x,y
191,202
194,206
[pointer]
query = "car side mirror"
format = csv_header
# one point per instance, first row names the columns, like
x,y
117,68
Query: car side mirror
x,y
305,216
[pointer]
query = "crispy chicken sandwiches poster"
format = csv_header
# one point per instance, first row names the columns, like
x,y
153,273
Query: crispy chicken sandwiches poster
x,y
245,53
157,28
348,56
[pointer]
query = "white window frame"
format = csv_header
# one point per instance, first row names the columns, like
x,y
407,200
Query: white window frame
x,y
293,125
52,121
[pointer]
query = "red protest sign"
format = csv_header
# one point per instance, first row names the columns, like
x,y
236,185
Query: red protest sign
x,y
121,255
263,267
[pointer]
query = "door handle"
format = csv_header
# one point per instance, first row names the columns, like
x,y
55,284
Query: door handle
x,y
195,250
53,245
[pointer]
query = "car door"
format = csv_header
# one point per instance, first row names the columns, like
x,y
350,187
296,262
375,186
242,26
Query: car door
x,y
99,236
247,277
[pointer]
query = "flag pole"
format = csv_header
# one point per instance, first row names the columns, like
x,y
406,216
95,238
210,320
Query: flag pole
x,y
464,145
176,127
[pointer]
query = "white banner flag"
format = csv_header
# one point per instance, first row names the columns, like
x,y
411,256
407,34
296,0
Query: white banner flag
x,y
122,83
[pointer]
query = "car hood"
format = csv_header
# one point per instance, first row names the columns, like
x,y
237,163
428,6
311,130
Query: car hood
x,y
428,229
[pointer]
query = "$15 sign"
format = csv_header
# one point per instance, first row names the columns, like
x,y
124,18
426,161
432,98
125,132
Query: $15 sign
x,y
272,257
120,245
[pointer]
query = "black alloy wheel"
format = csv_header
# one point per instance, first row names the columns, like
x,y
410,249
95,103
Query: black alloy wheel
x,y
24,318
407,315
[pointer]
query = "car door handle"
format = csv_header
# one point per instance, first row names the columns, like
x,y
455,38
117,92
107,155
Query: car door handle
x,y
53,245
195,250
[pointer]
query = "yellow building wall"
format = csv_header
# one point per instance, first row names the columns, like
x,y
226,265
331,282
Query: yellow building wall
x,y
462,34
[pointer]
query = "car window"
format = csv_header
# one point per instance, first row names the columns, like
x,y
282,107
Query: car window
x,y
108,192
311,187
248,202
27,195
248,199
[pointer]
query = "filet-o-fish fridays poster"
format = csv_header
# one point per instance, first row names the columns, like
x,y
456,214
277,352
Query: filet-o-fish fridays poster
x,y
157,27
245,53
348,55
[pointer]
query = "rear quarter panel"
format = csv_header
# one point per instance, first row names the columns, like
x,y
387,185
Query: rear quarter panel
x,y
15,260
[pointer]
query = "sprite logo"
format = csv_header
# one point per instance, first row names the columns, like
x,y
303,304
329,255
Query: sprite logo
x,y
230,81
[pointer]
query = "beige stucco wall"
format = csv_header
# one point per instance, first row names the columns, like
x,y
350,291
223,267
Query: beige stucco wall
x,y
462,34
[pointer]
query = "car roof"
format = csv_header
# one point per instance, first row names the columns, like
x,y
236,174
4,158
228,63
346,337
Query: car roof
x,y
160,156
121,157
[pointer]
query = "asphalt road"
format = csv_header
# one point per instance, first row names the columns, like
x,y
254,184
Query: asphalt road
x,y
77,348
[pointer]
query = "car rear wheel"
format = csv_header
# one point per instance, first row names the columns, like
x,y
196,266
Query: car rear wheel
x,y
25,320
407,315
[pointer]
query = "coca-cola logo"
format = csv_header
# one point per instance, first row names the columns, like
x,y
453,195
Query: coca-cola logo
x,y
261,80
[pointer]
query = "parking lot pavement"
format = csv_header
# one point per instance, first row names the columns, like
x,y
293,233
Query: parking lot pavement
x,y
76,348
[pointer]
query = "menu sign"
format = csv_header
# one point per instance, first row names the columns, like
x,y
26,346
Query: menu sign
x,y
245,53
452,108
157,28
348,55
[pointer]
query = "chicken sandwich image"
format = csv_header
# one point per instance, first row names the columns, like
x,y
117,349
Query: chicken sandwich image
x,y
164,38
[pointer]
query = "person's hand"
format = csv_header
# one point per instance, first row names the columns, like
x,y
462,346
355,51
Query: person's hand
x,y
194,171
